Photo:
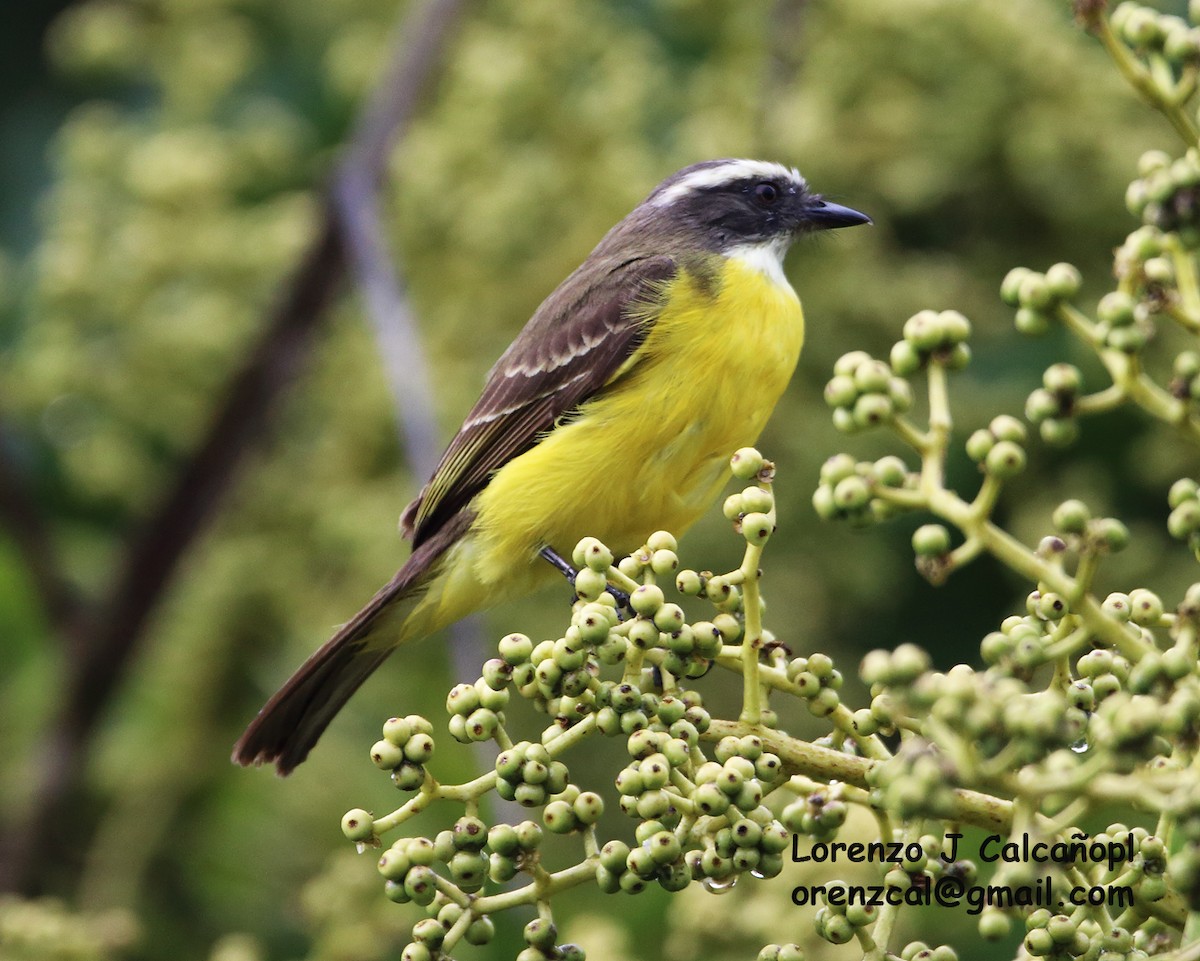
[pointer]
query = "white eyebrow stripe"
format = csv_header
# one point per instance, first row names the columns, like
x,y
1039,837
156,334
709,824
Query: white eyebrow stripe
x,y
726,173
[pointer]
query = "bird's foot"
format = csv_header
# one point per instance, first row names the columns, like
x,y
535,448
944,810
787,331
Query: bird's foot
x,y
563,566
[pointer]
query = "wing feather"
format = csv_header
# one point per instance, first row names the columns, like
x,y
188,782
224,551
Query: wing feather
x,y
572,346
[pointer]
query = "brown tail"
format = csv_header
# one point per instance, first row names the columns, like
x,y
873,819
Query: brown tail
x,y
292,721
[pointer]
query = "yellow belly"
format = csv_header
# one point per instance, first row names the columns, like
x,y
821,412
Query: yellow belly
x,y
651,451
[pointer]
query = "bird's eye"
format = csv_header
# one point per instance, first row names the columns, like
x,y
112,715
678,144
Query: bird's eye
x,y
766,194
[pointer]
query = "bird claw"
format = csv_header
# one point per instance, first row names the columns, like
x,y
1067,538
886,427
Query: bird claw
x,y
563,566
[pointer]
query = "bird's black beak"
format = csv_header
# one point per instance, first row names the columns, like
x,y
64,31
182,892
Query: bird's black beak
x,y
822,215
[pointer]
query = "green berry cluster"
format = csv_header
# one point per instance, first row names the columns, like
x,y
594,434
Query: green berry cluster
x,y
541,944
818,815
667,779
781,952
865,393
1083,533
754,843
935,335
1166,196
429,934
837,920
1149,31
527,774
752,511
817,682
851,491
513,848
920,951
999,449
572,810
657,857
477,710
1060,937
1052,406
406,746
1143,263
1124,323
1185,376
1184,520
1037,296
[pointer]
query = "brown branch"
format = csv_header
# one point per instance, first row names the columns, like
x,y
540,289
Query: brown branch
x,y
109,641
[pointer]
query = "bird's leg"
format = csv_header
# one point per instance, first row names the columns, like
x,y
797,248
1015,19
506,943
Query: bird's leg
x,y
563,566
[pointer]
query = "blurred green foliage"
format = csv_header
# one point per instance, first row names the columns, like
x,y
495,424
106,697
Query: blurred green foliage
x,y
184,184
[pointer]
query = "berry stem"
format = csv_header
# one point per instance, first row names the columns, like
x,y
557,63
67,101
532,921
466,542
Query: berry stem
x,y
1112,397
1141,80
804,758
545,885
751,635
1187,311
459,928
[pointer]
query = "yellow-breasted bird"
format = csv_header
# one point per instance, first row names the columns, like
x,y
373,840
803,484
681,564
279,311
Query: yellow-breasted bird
x,y
612,414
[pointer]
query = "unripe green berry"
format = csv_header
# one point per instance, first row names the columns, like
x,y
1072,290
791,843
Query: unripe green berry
x,y
669,618
689,583
358,826
1184,520
979,444
1146,607
746,463
662,541
515,648
540,933
480,931
592,553
1071,517
1035,292
871,410
590,584
1111,534
955,327
664,562
1010,287
840,392
397,730
757,528
386,756
1033,323
931,540
957,358
1062,379
923,331
904,358
1116,309
415,951
1183,490
850,494
647,599
1064,281
1005,460
1058,432
559,817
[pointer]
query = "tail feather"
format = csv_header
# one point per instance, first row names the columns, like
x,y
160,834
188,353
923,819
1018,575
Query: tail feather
x,y
292,721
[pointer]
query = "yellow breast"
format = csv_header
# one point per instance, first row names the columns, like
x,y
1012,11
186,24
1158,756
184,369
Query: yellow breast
x,y
651,450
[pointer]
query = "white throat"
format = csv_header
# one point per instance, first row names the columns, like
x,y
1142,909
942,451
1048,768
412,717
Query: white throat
x,y
765,257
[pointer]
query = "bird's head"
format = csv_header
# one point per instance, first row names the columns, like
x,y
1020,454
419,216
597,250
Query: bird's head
x,y
732,203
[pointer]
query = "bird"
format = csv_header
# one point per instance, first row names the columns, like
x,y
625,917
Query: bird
x,y
612,414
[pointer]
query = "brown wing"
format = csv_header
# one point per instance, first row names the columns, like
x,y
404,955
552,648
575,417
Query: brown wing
x,y
571,347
